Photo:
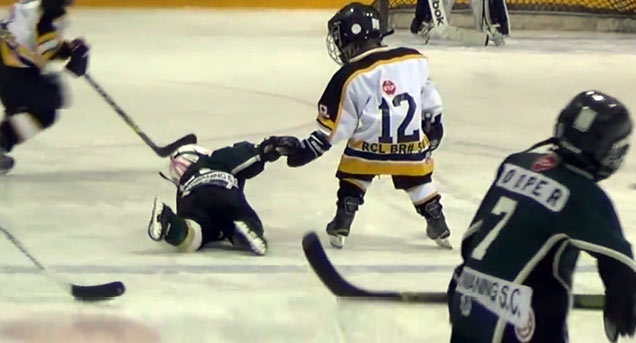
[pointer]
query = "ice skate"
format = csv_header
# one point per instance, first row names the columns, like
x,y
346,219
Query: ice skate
x,y
421,28
159,221
6,162
494,35
436,228
339,227
246,238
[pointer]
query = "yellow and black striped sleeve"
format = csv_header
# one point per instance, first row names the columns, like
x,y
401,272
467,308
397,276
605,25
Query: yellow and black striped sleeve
x,y
333,98
48,38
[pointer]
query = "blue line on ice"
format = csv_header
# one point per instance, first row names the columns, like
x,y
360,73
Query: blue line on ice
x,y
237,269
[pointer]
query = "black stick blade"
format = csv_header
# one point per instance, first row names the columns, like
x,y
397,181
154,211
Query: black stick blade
x,y
97,292
167,150
341,288
330,277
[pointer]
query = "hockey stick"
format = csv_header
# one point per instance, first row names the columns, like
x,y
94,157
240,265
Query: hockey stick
x,y
163,151
88,293
341,288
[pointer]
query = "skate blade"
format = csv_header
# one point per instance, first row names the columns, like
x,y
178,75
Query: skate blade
x,y
443,243
337,241
155,231
257,245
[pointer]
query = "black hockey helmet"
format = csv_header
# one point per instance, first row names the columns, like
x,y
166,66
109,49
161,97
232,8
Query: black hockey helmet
x,y
593,133
353,30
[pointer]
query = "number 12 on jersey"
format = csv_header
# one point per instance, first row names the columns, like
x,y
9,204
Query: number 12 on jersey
x,y
505,206
402,137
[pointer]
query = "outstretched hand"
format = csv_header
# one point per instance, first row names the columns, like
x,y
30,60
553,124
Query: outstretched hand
x,y
272,148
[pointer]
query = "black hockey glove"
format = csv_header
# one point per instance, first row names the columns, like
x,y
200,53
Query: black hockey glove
x,y
619,314
273,147
79,57
309,149
434,130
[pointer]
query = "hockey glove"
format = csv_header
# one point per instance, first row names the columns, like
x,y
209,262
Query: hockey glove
x,y
434,130
619,314
79,57
309,149
273,147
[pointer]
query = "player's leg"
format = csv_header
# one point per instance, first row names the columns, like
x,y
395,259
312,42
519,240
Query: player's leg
x,y
431,18
31,101
422,16
423,194
350,196
491,16
246,232
183,233
198,221
6,162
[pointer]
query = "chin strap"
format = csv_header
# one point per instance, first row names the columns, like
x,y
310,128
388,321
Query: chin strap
x,y
388,33
551,140
168,179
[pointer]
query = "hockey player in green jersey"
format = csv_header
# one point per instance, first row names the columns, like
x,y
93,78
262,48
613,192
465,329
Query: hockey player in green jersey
x,y
211,205
519,254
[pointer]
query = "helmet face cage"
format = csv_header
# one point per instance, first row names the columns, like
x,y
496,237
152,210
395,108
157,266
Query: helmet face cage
x,y
334,43
613,158
350,29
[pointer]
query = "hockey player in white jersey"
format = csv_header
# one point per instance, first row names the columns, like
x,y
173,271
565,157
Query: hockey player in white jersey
x,y
432,18
383,102
31,37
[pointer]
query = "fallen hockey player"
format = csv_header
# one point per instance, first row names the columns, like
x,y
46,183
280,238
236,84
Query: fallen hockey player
x,y
211,205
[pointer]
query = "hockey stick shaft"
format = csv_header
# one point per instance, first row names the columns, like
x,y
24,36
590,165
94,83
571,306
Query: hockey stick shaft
x,y
119,110
327,273
108,290
161,151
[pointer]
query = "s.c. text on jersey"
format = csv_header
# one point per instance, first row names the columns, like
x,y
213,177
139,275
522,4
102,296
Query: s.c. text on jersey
x,y
538,187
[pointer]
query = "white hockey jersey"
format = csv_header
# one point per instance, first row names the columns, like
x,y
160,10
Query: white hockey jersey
x,y
378,103
30,37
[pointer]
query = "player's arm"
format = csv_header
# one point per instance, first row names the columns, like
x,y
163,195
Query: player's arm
x,y
50,44
619,280
432,113
246,160
337,120
603,239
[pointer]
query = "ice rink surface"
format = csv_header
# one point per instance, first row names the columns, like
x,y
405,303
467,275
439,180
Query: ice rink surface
x,y
81,194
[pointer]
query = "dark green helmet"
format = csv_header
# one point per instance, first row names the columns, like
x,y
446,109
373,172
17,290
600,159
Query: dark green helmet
x,y
593,133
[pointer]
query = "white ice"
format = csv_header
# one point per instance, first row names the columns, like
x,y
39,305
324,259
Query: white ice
x,y
81,193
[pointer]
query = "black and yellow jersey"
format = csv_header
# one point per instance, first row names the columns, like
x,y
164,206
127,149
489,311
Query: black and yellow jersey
x,y
30,36
377,102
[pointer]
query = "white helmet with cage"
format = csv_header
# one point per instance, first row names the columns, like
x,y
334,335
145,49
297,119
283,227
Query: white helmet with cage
x,y
183,158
